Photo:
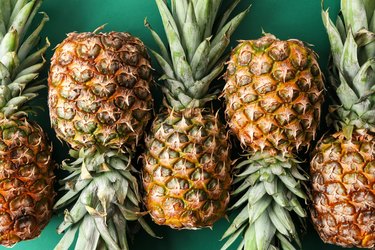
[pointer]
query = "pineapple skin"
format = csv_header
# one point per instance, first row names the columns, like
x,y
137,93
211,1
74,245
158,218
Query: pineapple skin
x,y
186,172
343,189
99,90
26,180
274,93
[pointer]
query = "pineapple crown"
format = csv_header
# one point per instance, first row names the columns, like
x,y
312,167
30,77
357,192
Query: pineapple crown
x,y
352,67
197,38
19,63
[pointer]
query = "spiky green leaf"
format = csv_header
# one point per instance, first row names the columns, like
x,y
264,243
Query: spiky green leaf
x,y
233,237
365,77
337,45
163,50
349,59
264,231
105,233
229,27
227,14
121,225
88,235
203,12
200,59
286,245
240,219
21,17
256,193
9,43
346,94
191,32
354,14
5,9
32,40
258,208
250,237
279,225
68,238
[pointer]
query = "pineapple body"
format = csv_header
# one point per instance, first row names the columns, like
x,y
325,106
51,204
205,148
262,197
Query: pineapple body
x,y
186,172
26,177
99,90
343,189
273,94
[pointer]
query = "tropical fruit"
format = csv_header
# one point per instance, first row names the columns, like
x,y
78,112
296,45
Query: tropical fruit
x,y
99,90
343,162
26,166
186,171
100,103
273,94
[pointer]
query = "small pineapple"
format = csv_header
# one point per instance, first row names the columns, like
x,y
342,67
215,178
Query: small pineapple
x,y
26,166
273,93
186,172
343,162
100,103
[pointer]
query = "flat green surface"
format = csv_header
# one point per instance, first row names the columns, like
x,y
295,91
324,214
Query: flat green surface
x,y
284,18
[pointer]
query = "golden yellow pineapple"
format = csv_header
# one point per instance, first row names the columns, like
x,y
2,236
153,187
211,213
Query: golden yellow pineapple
x,y
343,162
100,103
26,166
99,90
343,177
186,172
273,93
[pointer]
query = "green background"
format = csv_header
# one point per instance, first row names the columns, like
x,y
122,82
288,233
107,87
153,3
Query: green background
x,y
300,19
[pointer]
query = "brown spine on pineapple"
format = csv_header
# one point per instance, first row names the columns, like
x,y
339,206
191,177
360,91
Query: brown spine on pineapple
x,y
343,184
273,94
186,170
26,187
99,90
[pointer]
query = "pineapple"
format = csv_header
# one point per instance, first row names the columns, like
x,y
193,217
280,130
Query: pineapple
x,y
100,103
343,163
99,90
273,93
26,173
186,171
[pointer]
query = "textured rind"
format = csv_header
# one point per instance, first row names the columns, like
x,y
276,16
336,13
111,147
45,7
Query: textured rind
x,y
26,180
99,90
273,93
343,189
186,172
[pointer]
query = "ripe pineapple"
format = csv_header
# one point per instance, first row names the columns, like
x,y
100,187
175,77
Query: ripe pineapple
x,y
100,103
186,172
99,90
273,93
26,170
343,163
